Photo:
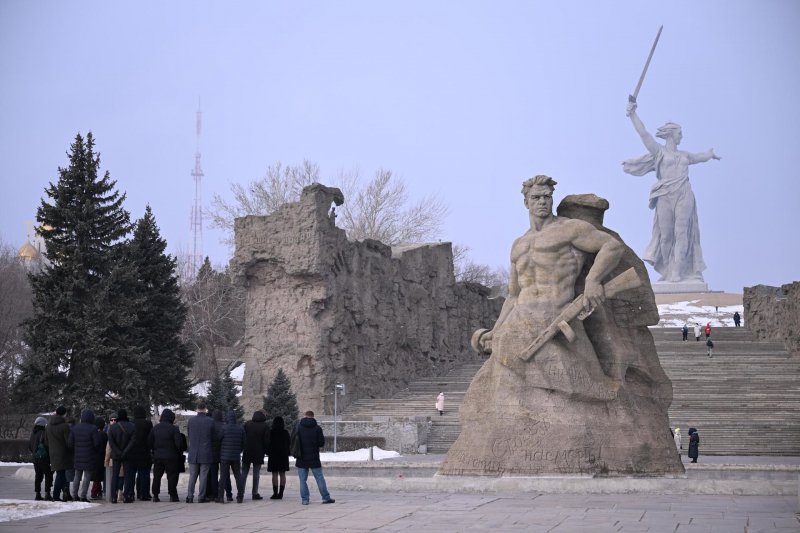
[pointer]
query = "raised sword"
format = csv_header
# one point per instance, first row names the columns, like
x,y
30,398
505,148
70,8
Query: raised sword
x,y
632,97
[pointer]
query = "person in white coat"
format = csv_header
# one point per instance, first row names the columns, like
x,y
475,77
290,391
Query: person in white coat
x,y
440,403
678,439
697,331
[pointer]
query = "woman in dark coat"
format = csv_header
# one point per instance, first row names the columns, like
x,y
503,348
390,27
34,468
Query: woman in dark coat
x,y
278,460
694,444
140,453
99,472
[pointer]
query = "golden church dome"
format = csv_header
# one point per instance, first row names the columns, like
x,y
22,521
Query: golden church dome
x,y
28,252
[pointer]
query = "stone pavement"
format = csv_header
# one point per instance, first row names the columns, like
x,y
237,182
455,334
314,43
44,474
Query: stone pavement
x,y
361,511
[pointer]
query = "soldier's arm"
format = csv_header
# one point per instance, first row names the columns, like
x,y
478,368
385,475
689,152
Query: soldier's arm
x,y
609,251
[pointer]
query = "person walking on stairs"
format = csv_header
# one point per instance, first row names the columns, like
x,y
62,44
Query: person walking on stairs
x,y
694,444
41,459
440,403
278,462
708,330
709,347
697,332
685,331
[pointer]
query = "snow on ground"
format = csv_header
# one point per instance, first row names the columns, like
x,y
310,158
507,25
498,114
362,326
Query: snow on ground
x,y
238,373
22,509
675,315
358,455
16,464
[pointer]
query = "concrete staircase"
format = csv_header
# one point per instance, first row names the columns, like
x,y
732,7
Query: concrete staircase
x,y
744,401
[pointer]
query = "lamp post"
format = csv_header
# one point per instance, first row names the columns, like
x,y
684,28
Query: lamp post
x,y
337,388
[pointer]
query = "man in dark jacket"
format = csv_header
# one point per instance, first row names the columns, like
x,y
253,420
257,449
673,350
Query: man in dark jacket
x,y
57,442
311,440
201,435
84,440
257,433
737,319
121,437
213,471
233,442
166,442
140,453
41,461
99,472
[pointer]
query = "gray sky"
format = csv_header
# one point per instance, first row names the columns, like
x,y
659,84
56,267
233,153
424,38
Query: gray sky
x,y
465,98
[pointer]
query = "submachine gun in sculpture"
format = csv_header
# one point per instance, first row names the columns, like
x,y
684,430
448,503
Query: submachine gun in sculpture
x,y
625,281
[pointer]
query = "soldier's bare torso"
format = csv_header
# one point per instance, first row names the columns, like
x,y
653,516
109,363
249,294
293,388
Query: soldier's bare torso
x,y
547,263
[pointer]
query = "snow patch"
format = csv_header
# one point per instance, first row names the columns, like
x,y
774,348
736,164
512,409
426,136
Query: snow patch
x,y
16,464
677,314
23,509
238,373
355,456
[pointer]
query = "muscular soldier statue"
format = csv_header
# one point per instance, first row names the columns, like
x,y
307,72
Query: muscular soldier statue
x,y
545,263
674,249
559,412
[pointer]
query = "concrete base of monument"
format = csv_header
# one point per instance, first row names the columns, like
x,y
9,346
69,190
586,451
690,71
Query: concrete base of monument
x,y
410,474
672,287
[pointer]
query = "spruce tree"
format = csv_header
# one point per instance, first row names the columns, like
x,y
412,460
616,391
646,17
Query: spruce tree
x,y
232,392
281,401
223,395
159,318
83,351
216,397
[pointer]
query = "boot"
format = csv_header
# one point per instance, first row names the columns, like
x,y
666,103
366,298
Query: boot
x,y
57,498
38,497
67,496
257,496
274,492
280,492
156,498
48,497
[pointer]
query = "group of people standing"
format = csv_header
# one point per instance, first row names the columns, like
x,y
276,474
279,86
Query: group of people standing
x,y
698,329
78,454
694,443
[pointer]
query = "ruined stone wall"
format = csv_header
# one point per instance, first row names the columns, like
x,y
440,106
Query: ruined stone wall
x,y
773,313
327,310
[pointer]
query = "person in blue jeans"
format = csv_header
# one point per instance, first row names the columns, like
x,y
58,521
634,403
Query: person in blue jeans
x,y
311,440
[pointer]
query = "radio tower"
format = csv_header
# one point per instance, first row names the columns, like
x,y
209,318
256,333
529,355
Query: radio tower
x,y
196,223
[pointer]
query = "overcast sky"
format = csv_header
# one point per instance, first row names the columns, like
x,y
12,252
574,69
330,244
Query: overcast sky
x,y
465,98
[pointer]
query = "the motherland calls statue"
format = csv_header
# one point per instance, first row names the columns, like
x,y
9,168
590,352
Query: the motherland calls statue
x,y
592,399
674,250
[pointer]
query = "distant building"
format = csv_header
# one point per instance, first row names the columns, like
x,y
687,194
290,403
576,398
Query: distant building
x,y
33,255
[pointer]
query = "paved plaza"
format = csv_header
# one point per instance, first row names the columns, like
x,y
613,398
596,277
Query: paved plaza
x,y
362,511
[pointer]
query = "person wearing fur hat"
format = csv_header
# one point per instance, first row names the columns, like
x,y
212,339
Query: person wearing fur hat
x,y
40,459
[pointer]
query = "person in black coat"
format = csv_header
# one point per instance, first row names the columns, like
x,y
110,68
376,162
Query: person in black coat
x,y
694,444
213,472
41,465
257,433
85,442
233,441
311,440
278,463
121,437
99,472
141,453
166,443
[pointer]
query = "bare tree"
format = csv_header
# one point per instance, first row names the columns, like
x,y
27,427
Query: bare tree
x,y
465,269
281,184
378,209
375,209
15,306
215,318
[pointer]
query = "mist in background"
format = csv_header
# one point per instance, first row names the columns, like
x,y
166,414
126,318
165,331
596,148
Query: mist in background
x,y
466,98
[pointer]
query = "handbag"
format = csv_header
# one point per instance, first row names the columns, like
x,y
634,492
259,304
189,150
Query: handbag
x,y
295,448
